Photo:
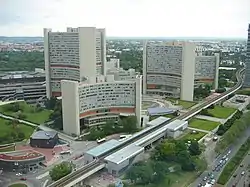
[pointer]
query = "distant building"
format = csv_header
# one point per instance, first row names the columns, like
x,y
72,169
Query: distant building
x,y
207,70
44,139
73,55
247,75
23,85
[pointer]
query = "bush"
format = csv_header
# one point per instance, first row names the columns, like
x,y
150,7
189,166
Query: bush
x,y
60,171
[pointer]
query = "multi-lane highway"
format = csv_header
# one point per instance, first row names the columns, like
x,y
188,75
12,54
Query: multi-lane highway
x,y
241,174
74,175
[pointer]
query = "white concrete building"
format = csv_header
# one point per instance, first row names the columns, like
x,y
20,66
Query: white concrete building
x,y
169,69
73,55
207,70
95,103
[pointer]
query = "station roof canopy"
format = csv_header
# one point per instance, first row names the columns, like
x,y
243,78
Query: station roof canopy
x,y
160,111
158,121
102,148
124,154
176,124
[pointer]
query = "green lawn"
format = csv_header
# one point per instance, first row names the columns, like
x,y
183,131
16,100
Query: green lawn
x,y
31,113
6,129
184,104
203,124
18,185
221,112
191,136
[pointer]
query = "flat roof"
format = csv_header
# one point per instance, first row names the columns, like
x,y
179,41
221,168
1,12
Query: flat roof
x,y
176,124
158,121
124,154
44,135
100,149
160,110
151,135
20,155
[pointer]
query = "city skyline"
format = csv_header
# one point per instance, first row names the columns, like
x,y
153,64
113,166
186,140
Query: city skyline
x,y
194,18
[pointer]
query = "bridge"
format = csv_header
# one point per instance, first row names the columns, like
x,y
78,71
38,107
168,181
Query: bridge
x,y
80,174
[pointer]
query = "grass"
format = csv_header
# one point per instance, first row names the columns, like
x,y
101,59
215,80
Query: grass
x,y
184,104
191,136
6,129
203,124
18,185
30,112
221,112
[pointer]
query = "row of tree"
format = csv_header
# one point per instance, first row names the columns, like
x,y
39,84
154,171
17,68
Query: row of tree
x,y
124,125
224,127
234,132
185,156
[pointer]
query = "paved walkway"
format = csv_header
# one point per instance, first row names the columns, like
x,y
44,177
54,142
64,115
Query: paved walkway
x,y
200,130
209,118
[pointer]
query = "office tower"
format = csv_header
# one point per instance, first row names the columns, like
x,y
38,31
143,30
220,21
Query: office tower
x,y
247,74
97,102
169,69
207,70
76,54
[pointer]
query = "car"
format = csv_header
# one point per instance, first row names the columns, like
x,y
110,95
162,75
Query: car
x,y
23,179
199,185
235,175
218,169
214,169
224,157
213,181
205,178
209,174
212,176
19,174
241,165
243,173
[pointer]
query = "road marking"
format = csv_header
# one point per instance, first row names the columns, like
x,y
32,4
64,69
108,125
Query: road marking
x,y
43,175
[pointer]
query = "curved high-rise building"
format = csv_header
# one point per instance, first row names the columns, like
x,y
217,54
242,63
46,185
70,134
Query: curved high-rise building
x,y
73,55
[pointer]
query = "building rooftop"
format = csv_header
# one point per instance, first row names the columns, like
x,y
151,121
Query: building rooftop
x,y
21,74
158,121
124,154
100,149
176,124
44,135
160,111
20,155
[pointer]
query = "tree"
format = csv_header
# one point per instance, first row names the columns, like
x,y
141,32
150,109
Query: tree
x,y
108,127
129,124
60,171
165,151
194,148
51,103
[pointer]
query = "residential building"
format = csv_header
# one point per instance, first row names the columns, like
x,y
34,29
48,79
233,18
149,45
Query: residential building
x,y
23,85
247,75
73,55
207,70
93,102
169,69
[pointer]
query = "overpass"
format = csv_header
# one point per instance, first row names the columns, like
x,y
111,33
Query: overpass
x,y
77,176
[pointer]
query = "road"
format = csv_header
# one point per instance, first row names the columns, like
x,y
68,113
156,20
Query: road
x,y
239,180
234,148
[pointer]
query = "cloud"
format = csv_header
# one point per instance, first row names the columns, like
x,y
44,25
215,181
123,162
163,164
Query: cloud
x,y
227,18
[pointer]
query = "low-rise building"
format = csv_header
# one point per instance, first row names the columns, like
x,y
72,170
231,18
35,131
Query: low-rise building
x,y
44,139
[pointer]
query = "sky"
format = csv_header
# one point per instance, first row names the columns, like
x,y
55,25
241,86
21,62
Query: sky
x,y
128,18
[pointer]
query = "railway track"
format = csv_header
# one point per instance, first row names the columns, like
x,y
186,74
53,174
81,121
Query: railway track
x,y
81,171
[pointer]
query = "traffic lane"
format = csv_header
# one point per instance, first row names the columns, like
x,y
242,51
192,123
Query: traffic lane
x,y
234,180
244,180
234,149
